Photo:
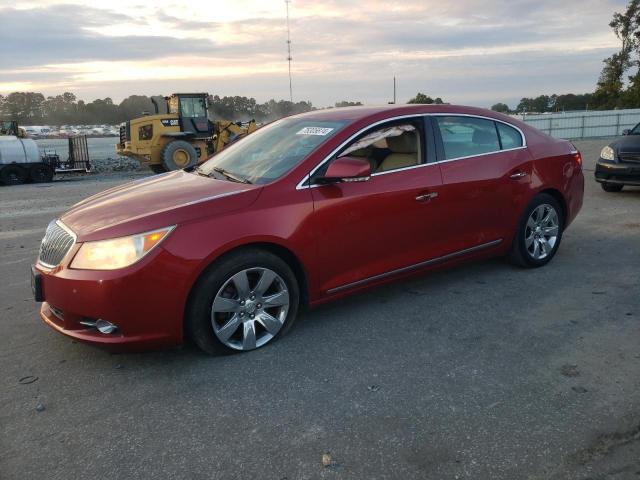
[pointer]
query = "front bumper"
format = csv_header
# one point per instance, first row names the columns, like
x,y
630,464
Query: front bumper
x,y
146,301
617,173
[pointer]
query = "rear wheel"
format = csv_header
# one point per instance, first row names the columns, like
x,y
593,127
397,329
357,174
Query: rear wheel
x,y
13,175
539,233
177,155
41,173
244,301
611,187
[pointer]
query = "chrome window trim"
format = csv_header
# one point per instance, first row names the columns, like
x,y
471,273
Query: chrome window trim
x,y
415,266
307,178
480,155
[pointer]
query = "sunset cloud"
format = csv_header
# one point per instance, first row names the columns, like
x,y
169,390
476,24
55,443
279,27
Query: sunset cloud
x,y
474,52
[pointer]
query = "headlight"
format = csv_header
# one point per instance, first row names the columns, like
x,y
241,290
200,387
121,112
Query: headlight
x,y
607,153
117,252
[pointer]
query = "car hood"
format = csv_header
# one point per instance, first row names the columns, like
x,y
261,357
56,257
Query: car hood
x,y
628,144
156,202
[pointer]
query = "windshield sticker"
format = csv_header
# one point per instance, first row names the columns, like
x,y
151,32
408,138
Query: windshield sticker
x,y
322,131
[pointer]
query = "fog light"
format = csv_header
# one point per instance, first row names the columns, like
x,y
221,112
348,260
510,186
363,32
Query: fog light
x,y
105,327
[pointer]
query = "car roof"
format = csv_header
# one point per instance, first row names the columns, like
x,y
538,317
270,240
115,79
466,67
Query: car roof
x,y
353,114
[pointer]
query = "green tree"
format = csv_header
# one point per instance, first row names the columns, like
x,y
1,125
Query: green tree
x,y
422,98
501,107
345,103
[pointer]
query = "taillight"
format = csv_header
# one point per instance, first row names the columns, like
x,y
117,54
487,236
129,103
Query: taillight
x,y
578,158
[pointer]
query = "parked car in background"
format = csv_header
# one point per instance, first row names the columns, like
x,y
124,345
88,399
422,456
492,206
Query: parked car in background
x,y
303,211
619,162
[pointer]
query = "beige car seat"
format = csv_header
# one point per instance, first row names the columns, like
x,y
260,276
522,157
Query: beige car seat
x,y
404,152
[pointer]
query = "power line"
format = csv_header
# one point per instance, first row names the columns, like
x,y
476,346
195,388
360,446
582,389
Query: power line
x,y
287,2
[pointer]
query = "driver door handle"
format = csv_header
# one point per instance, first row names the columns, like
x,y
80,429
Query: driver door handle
x,y
425,197
517,175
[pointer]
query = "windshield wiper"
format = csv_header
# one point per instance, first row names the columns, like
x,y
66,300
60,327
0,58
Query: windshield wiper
x,y
231,176
199,171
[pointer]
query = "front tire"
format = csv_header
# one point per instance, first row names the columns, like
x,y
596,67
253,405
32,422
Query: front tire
x,y
611,187
177,155
13,175
539,233
243,301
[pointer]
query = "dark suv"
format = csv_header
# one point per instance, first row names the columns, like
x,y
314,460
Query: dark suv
x,y
619,162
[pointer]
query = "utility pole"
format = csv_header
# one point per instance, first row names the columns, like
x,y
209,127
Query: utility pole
x,y
287,2
394,92
394,89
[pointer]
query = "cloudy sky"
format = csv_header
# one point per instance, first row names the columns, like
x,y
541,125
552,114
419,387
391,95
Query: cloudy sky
x,y
475,52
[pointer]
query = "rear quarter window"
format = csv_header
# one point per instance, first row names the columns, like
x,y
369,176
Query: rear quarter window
x,y
509,136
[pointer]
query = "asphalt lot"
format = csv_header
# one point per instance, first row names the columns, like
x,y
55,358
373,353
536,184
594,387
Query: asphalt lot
x,y
481,372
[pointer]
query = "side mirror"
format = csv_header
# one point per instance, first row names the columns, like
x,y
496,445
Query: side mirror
x,y
626,131
346,169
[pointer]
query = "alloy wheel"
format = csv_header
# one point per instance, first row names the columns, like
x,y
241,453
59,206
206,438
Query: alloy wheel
x,y
250,308
541,232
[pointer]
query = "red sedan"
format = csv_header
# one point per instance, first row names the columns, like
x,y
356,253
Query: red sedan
x,y
303,211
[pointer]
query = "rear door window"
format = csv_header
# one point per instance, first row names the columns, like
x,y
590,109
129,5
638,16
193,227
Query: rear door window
x,y
467,136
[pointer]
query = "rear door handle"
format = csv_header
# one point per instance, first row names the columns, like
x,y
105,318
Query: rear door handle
x,y
425,197
518,174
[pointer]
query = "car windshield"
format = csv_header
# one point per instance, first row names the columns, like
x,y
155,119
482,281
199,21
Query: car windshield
x,y
636,130
273,150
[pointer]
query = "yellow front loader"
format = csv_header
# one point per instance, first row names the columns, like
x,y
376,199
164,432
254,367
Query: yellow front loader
x,y
181,138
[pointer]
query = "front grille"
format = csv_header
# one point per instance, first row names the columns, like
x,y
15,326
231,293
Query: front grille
x,y
630,157
55,245
125,132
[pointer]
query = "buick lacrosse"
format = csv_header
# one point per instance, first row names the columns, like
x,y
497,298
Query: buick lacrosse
x,y
303,211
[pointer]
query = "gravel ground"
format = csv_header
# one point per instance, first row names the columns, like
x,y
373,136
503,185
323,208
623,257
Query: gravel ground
x,y
483,371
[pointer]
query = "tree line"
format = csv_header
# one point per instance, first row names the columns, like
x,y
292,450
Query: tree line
x,y
32,108
619,82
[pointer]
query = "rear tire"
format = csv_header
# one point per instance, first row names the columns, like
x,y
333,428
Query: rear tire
x,y
539,233
13,175
177,155
223,316
41,173
611,187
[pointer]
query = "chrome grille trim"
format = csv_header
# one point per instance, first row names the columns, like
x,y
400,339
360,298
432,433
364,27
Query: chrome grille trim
x,y
57,242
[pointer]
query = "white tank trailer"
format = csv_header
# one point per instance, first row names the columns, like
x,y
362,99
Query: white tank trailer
x,y
20,161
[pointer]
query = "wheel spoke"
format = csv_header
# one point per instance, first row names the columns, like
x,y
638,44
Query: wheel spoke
x,y
266,279
225,305
241,282
543,247
249,336
550,231
540,213
529,240
536,249
531,223
270,323
548,217
276,300
229,328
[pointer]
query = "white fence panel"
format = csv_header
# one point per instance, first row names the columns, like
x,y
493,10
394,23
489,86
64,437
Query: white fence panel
x,y
587,124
